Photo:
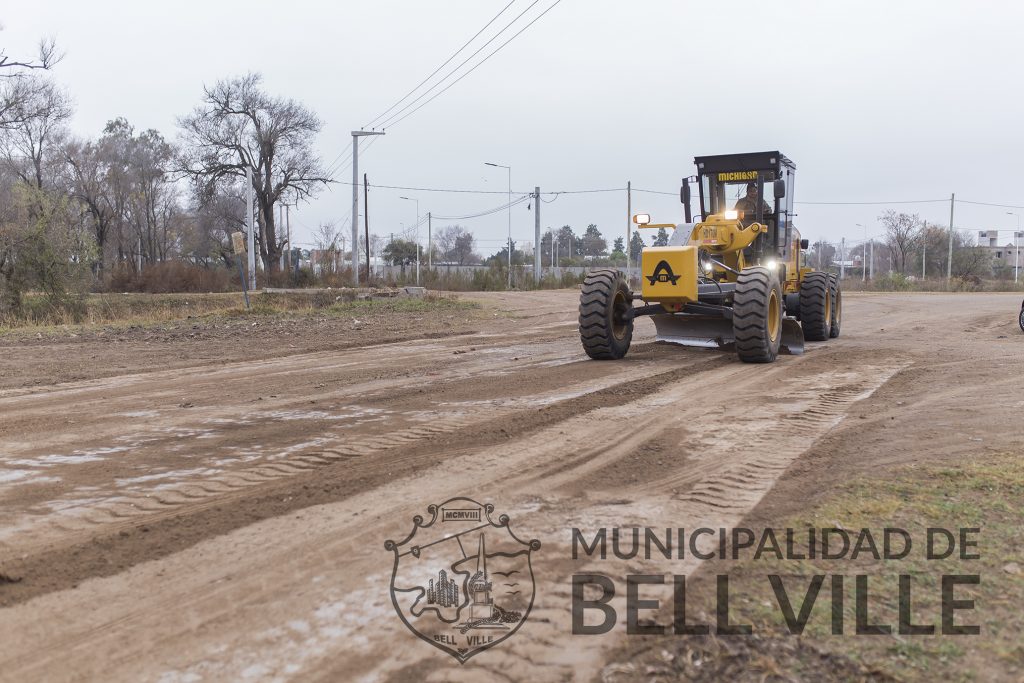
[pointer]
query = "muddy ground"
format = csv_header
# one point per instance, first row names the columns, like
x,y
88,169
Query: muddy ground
x,y
211,503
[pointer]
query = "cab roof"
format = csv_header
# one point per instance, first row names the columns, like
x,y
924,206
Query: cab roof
x,y
749,161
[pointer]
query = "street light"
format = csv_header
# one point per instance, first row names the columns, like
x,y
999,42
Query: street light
x,y
356,134
509,169
1016,244
413,199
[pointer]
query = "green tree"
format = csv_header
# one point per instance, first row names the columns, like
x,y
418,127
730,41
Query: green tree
x,y
594,243
500,258
400,252
619,245
568,245
636,246
661,239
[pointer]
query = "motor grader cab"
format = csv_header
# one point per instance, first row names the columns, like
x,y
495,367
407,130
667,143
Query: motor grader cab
x,y
734,277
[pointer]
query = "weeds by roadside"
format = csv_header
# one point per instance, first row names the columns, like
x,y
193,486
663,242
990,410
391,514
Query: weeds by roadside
x,y
150,309
985,493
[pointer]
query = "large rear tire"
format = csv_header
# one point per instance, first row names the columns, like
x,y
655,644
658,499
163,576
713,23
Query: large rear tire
x,y
757,315
606,329
816,306
1021,318
836,289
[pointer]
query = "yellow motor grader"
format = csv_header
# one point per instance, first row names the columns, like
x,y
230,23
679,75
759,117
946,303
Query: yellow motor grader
x,y
733,278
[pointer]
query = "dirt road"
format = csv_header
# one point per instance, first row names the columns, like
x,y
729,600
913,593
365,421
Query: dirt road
x,y
227,522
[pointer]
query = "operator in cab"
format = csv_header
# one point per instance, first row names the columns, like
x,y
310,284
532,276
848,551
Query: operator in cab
x,y
747,204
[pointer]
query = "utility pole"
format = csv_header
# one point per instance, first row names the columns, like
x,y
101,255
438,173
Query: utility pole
x,y
288,227
366,223
863,256
250,228
949,262
924,250
536,233
430,242
1016,244
842,260
629,220
356,134
872,275
509,169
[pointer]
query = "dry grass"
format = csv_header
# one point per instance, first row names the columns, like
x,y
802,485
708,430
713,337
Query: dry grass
x,y
150,309
988,494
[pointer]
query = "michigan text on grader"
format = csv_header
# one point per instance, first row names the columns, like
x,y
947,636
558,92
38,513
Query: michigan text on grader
x,y
734,278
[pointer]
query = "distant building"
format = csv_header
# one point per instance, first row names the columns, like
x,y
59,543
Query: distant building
x,y
1004,256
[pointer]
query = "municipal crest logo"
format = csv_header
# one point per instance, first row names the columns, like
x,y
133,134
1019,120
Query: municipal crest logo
x,y
462,581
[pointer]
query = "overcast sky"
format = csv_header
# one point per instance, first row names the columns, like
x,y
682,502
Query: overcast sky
x,y
873,101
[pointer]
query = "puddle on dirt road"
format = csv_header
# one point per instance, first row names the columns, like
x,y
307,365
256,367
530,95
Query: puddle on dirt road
x,y
73,458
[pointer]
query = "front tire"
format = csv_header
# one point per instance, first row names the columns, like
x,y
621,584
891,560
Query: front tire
x,y
757,315
816,306
606,328
836,290
1021,319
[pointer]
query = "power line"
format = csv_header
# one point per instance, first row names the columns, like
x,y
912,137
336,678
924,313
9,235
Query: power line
x,y
346,152
487,212
347,162
429,189
446,62
393,122
557,193
387,122
614,189
907,201
1002,206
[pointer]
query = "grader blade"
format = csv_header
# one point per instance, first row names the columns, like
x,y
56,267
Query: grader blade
x,y
686,329
792,337
712,332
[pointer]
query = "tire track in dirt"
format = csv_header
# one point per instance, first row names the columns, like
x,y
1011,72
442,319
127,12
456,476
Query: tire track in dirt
x,y
808,405
527,477
288,459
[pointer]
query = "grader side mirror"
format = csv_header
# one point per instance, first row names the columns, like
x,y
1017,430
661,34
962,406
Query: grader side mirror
x,y
804,244
642,218
684,197
780,188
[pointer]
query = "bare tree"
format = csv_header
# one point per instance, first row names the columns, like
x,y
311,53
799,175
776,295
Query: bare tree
x,y
87,170
124,183
219,211
28,145
239,126
153,208
457,244
822,255
326,236
901,231
17,90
